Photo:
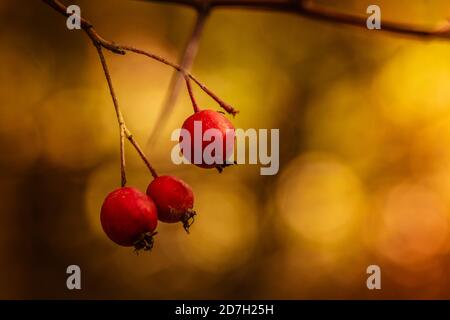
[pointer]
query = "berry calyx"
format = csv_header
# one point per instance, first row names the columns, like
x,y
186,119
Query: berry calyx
x,y
174,200
129,218
209,119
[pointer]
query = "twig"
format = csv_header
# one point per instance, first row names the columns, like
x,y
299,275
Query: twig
x,y
118,115
189,54
87,27
124,132
121,49
222,103
309,9
139,150
191,94
228,108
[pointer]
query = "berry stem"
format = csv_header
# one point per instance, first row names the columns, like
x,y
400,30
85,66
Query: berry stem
x,y
124,132
176,83
228,108
123,174
133,141
191,94
121,49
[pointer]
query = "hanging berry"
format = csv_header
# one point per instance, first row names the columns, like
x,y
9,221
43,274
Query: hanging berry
x,y
209,119
129,218
174,200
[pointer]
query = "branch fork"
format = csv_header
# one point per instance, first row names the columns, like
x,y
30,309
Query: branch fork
x,y
100,43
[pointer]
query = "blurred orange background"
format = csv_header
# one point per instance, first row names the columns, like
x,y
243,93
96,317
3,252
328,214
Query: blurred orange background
x,y
364,177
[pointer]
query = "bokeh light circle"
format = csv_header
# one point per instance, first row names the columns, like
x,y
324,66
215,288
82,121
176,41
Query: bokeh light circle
x,y
78,127
224,232
320,198
414,225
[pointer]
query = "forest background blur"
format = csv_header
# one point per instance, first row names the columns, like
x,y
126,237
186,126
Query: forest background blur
x,y
364,177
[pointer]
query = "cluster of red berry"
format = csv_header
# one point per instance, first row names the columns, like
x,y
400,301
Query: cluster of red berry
x,y
129,217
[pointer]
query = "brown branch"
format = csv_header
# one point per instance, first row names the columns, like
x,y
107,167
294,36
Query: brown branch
x,y
139,150
118,115
191,93
228,108
189,54
87,27
309,9
222,103
121,49
124,132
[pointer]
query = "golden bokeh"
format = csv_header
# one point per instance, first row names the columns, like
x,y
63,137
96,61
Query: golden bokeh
x,y
364,178
224,234
321,199
415,225
423,95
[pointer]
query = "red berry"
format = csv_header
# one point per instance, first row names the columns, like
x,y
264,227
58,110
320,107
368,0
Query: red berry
x,y
174,199
210,119
129,218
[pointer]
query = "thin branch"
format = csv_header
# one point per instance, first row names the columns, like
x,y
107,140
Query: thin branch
x,y
228,108
121,49
118,115
191,93
87,27
124,132
139,150
123,173
189,54
309,9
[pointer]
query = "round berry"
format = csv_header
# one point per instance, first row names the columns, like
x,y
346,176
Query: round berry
x,y
129,218
209,119
174,200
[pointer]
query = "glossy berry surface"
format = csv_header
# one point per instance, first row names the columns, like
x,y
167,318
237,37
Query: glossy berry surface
x,y
173,198
209,119
129,218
